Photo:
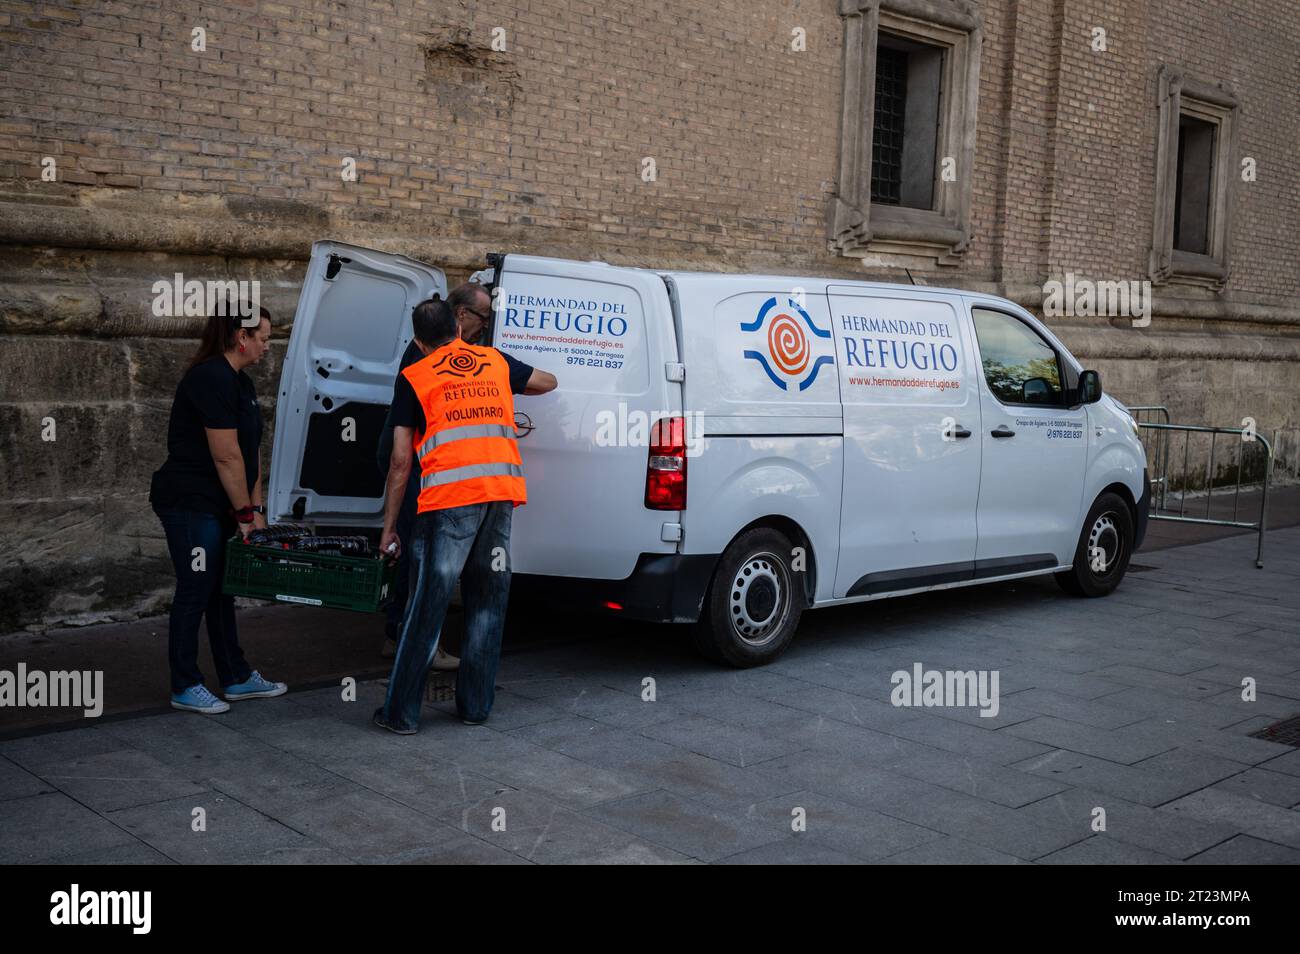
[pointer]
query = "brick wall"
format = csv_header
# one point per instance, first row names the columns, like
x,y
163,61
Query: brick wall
x,y
226,163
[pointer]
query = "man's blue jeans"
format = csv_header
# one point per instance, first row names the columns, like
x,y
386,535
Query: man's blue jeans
x,y
471,544
198,595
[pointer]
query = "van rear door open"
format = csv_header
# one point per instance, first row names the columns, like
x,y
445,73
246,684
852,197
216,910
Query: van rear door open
x,y
352,324
607,335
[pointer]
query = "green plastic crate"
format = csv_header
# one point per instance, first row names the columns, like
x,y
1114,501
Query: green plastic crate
x,y
361,584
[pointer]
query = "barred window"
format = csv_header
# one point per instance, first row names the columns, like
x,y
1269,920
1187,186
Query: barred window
x,y
907,128
1194,185
1195,150
887,134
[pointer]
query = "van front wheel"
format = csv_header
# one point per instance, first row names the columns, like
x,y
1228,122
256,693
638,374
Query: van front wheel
x,y
1105,546
754,602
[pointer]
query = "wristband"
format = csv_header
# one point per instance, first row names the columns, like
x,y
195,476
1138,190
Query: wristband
x,y
244,515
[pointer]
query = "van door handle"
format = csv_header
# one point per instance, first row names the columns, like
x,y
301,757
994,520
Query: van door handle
x,y
961,432
1003,431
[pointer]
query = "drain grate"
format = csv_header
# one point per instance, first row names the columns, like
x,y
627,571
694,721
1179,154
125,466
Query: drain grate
x,y
1287,732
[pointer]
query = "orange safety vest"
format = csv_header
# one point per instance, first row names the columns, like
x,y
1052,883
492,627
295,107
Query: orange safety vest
x,y
467,453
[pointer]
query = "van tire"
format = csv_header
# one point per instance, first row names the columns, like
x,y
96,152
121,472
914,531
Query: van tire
x,y
1109,525
754,602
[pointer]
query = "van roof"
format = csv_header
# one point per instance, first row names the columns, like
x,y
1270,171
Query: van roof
x,y
767,278
819,279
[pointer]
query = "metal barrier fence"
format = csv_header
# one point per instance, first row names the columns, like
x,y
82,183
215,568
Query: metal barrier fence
x,y
1154,414
1167,480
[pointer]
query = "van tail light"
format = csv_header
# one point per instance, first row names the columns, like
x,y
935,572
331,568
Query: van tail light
x,y
665,474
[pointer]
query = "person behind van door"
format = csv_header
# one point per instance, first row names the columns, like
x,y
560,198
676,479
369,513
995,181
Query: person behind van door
x,y
472,306
469,303
209,487
396,610
452,412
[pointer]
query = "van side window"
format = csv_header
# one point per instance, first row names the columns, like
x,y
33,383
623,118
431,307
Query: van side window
x,y
1019,366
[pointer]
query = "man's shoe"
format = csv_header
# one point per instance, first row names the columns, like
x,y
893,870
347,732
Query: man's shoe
x,y
445,662
199,699
379,721
254,687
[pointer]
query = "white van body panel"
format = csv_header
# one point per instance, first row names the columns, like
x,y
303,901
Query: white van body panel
x,y
1032,490
1046,484
729,325
760,386
908,380
349,332
737,481
585,459
1116,455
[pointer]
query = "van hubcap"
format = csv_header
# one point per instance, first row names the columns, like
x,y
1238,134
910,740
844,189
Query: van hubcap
x,y
758,598
1104,544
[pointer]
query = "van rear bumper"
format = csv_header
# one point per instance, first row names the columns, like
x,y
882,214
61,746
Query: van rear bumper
x,y
662,588
1143,511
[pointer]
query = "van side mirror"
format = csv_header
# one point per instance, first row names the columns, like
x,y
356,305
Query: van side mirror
x,y
1036,391
1089,387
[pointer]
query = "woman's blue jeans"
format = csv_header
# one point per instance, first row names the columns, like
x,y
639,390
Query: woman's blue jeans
x,y
471,544
190,534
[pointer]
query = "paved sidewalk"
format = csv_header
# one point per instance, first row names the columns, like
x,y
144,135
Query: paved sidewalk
x,y
310,646
1130,704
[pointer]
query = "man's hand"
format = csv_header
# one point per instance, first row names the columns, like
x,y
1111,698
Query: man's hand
x,y
259,521
244,530
390,545
399,468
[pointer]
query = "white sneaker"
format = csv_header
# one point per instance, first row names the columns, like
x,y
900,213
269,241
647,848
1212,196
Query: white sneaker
x,y
445,662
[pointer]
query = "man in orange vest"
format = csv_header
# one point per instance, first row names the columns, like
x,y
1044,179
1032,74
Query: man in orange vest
x,y
453,417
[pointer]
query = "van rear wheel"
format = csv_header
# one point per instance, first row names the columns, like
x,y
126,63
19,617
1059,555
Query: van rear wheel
x,y
1105,547
754,601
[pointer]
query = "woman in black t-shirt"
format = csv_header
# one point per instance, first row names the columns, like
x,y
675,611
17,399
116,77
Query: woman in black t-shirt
x,y
210,485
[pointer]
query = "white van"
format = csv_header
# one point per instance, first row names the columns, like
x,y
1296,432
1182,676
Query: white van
x,y
818,441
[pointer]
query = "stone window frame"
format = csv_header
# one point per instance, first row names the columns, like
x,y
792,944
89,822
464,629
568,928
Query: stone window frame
x,y
857,226
1177,96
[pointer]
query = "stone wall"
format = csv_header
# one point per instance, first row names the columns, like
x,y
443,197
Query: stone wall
x,y
226,163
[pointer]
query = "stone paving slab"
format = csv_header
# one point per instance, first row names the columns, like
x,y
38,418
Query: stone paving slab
x,y
1132,704
1275,788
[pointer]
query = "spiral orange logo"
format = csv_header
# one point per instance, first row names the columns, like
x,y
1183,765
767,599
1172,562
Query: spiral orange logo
x,y
464,361
459,364
787,344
